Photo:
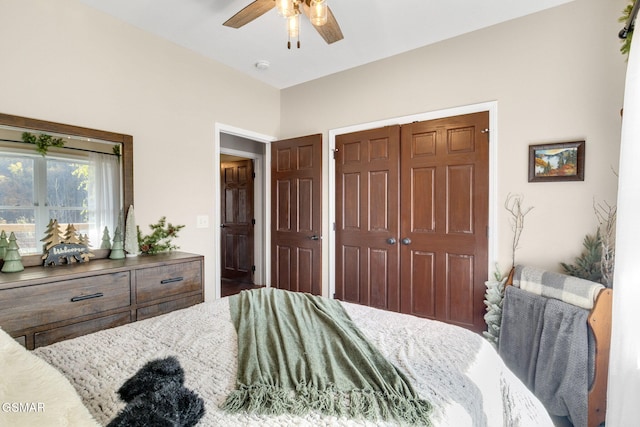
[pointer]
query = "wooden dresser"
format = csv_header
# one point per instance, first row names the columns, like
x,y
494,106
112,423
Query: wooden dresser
x,y
43,305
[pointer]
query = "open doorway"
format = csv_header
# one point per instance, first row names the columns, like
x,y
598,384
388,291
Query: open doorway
x,y
236,145
237,222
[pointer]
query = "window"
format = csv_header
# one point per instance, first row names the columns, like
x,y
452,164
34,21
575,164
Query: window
x,y
80,188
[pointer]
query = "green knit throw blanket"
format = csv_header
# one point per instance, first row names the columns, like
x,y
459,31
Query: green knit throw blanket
x,y
298,352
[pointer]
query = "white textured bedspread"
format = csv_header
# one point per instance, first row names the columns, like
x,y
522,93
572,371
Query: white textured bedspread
x,y
454,369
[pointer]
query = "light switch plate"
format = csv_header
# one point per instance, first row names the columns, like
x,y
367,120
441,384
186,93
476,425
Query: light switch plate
x,y
202,221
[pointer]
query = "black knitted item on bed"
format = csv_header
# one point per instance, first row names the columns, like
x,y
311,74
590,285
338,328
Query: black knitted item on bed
x,y
155,396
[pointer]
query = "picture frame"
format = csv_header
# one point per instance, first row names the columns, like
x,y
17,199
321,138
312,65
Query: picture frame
x,y
554,162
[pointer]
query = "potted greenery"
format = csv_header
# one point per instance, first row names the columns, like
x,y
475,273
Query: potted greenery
x,y
160,239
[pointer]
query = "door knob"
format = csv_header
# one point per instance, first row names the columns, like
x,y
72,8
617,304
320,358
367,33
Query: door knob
x,y
314,237
391,241
222,226
406,241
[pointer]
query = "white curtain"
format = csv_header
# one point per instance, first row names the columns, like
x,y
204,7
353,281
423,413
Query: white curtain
x,y
623,400
105,207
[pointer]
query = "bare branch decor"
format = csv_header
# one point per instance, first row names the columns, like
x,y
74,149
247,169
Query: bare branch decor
x,y
606,215
513,205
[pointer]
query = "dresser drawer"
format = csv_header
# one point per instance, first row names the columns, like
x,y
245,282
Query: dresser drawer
x,y
168,280
81,328
31,306
168,306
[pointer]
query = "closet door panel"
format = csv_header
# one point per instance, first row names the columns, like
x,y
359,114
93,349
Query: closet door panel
x,y
445,214
367,209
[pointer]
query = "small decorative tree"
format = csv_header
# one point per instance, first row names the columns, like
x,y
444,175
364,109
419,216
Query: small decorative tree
x,y
4,243
12,258
106,239
71,234
131,246
52,235
117,249
493,297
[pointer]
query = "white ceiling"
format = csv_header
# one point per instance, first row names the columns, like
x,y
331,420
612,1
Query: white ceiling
x,y
373,29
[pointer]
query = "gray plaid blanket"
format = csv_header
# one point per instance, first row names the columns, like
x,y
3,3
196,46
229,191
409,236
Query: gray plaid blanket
x,y
572,290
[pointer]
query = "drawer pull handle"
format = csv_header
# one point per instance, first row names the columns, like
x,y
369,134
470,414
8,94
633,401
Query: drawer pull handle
x,y
172,280
84,297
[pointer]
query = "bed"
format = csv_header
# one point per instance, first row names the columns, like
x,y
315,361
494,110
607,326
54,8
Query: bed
x,y
457,371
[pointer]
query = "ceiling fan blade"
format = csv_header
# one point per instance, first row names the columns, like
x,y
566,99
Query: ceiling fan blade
x,y
249,13
330,31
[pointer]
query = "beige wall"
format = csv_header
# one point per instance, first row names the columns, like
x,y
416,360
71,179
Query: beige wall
x,y
556,76
65,62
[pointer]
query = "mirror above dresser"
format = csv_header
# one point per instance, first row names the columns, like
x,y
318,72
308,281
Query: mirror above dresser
x,y
73,174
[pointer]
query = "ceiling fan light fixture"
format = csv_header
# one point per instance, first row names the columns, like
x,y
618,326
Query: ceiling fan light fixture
x,y
285,8
293,28
318,12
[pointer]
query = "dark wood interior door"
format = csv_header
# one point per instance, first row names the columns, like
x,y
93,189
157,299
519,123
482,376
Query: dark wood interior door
x,y
237,218
411,218
367,217
296,214
445,214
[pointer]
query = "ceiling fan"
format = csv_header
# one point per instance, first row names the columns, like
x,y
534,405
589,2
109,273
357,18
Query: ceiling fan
x,y
317,11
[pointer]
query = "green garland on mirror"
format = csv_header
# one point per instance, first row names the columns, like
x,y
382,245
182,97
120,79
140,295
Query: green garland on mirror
x,y
626,42
42,141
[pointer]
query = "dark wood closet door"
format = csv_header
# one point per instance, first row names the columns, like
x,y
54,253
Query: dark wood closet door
x,y
236,206
296,214
445,211
367,210
426,186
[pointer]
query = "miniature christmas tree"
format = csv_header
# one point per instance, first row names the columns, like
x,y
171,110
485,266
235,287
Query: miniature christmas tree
x,y
106,239
3,244
117,250
71,235
120,223
84,240
12,258
131,234
52,236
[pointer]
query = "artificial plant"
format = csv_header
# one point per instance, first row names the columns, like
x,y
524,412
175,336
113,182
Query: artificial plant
x,y
42,141
626,41
160,239
596,261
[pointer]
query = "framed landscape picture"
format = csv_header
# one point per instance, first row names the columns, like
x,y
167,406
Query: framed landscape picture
x,y
556,162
